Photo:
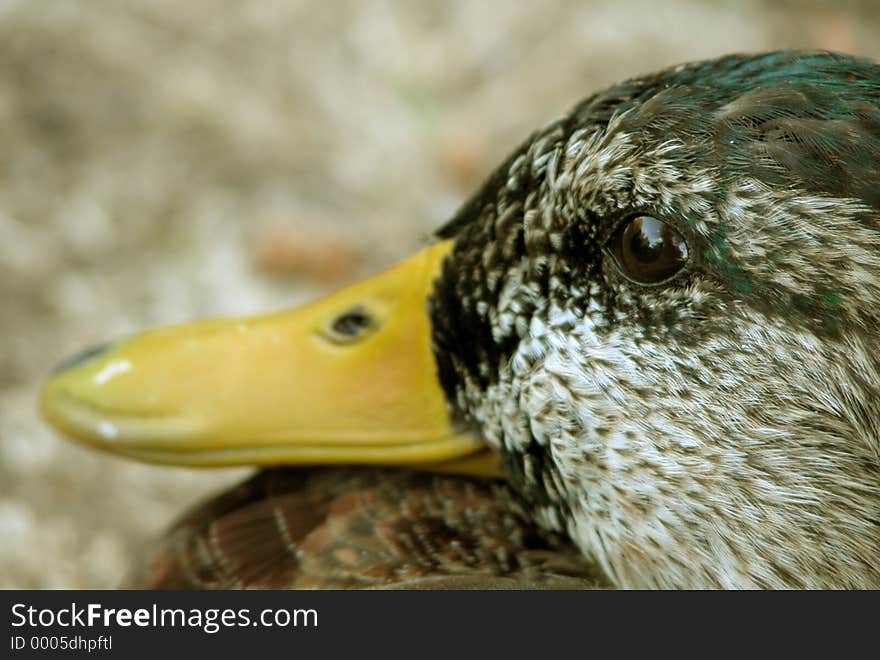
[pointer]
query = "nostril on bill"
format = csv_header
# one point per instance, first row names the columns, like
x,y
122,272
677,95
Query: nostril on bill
x,y
81,357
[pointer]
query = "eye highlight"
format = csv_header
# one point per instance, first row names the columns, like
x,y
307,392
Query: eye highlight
x,y
647,250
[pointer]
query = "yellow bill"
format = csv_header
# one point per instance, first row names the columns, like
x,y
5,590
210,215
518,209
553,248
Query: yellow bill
x,y
350,378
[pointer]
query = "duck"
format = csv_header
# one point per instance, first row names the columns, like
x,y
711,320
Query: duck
x,y
657,323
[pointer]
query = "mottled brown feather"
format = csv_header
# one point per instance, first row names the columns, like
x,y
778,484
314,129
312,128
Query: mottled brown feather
x,y
361,528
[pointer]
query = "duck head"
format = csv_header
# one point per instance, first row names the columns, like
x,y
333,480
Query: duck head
x,y
662,312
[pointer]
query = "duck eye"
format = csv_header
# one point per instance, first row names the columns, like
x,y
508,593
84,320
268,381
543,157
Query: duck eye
x,y
350,325
647,251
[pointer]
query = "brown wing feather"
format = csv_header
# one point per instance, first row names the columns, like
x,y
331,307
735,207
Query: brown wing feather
x,y
356,528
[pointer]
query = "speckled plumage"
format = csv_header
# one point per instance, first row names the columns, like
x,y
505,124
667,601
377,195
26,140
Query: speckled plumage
x,y
721,429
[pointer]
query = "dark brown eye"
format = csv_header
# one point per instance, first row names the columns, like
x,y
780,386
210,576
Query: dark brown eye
x,y
647,250
350,325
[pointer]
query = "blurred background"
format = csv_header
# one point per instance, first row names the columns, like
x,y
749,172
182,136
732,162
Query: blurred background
x,y
163,160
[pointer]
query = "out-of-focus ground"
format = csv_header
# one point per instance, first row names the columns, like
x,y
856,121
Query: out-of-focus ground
x,y
162,160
